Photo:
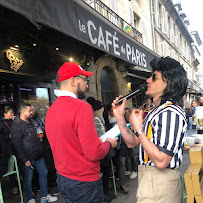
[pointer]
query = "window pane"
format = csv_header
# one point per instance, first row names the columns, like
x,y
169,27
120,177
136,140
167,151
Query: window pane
x,y
39,99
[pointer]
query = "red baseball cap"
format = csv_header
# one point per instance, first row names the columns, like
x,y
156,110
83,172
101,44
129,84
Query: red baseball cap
x,y
69,70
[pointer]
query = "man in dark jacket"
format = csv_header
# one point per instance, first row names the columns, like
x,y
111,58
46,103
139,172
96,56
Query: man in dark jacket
x,y
29,152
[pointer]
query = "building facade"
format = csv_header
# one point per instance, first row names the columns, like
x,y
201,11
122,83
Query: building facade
x,y
115,39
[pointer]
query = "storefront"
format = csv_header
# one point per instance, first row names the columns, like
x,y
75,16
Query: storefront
x,y
86,36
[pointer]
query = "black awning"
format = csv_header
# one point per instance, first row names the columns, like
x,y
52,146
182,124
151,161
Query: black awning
x,y
72,19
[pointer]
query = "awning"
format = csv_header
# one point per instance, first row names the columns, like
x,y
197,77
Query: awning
x,y
78,20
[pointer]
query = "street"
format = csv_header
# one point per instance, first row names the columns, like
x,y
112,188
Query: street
x,y
121,198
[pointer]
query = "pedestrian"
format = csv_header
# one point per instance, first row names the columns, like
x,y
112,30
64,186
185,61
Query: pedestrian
x,y
146,109
161,136
190,113
30,154
201,101
6,147
105,164
121,155
76,147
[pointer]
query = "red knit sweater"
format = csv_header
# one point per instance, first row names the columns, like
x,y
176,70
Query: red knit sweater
x,y
76,147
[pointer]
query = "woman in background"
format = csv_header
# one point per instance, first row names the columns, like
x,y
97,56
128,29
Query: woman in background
x,y
6,147
190,112
98,109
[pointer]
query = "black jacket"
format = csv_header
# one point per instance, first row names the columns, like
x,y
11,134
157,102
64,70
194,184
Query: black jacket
x,y
27,145
5,145
5,126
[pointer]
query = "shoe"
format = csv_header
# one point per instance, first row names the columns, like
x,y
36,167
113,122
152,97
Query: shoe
x,y
133,175
107,198
56,192
15,190
123,189
127,173
31,201
48,198
111,195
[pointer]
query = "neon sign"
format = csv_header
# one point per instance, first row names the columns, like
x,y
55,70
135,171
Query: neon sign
x,y
15,63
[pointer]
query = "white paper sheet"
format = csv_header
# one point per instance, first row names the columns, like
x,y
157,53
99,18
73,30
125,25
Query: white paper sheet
x,y
112,133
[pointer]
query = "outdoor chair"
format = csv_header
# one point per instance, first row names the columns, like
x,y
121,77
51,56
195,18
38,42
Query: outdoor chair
x,y
113,177
12,169
184,193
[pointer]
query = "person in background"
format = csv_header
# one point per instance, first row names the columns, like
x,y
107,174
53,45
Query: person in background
x,y
130,109
190,112
127,114
30,153
111,118
148,101
5,126
147,108
98,109
201,101
121,155
71,132
161,136
130,154
40,123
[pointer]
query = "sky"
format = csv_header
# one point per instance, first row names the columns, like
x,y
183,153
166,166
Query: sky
x,y
194,11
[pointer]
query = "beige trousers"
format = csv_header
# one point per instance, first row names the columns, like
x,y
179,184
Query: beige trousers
x,y
158,185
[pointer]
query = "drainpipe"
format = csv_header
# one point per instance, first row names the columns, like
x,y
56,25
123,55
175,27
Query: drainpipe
x,y
152,23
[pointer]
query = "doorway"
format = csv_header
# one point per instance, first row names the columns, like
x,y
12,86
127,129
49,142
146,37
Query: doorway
x,y
107,85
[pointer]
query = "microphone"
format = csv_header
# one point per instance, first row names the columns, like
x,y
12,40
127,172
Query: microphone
x,y
141,88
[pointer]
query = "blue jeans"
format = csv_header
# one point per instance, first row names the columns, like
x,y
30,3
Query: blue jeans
x,y
75,191
40,166
122,170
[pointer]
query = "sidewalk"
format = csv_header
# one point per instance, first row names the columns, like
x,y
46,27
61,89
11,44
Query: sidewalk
x,y
121,198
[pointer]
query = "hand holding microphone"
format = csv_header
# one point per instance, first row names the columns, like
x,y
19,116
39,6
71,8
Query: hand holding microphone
x,y
119,103
140,89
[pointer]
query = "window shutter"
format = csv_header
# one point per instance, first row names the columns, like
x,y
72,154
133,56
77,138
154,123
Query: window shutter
x,y
144,33
176,36
131,16
113,19
172,30
179,44
166,24
157,14
162,49
163,19
183,46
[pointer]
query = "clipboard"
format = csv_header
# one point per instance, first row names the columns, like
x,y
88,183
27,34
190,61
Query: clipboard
x,y
112,133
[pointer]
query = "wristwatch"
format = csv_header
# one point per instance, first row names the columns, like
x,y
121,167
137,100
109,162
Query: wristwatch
x,y
138,133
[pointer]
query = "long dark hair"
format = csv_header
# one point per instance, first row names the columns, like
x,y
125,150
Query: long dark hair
x,y
175,76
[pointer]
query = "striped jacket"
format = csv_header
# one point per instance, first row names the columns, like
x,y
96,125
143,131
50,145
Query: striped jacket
x,y
168,133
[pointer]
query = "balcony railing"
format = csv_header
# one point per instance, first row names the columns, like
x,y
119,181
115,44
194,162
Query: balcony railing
x,y
110,15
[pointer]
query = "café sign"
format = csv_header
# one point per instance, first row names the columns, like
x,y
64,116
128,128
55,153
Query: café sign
x,y
15,63
85,25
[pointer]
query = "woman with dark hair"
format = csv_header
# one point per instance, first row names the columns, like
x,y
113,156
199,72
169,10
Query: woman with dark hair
x,y
190,112
161,135
98,109
5,142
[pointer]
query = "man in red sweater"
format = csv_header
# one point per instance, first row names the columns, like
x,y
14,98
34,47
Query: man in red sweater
x,y
76,147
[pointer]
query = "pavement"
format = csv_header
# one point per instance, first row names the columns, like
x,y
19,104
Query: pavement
x,y
121,198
